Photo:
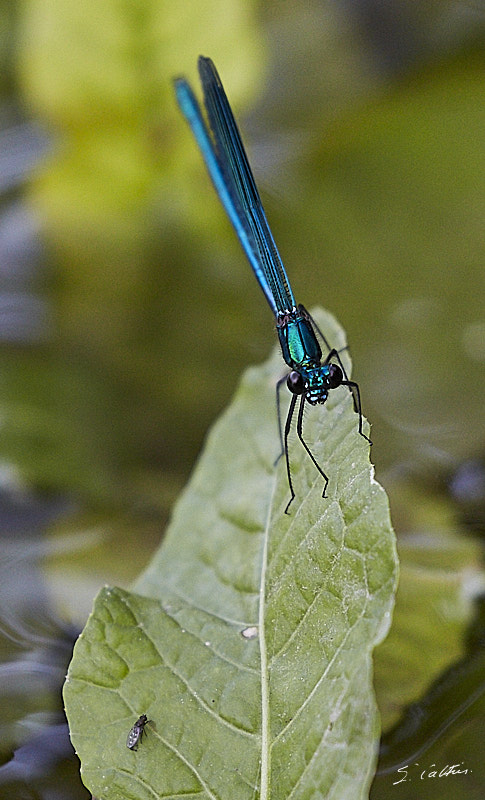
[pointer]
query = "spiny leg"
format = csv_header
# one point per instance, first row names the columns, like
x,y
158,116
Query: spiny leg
x,y
353,387
289,417
332,352
299,430
278,412
355,392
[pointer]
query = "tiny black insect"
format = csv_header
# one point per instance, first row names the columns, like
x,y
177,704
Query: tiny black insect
x,y
136,734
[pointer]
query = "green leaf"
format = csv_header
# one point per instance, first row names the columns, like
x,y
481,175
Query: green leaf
x,y
248,639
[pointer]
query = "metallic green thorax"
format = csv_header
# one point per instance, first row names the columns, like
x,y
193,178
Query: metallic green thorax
x,y
302,353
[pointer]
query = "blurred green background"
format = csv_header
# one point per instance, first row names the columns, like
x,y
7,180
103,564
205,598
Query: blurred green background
x,y
127,309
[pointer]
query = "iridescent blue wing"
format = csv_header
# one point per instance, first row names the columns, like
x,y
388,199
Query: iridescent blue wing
x,y
228,166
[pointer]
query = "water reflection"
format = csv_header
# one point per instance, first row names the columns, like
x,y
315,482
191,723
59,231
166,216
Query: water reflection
x,y
440,730
36,756
21,147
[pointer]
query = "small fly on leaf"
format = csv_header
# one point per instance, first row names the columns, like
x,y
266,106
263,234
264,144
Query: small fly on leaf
x,y
136,734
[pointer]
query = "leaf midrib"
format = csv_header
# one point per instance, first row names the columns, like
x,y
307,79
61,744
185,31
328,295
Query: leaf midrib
x,y
265,710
